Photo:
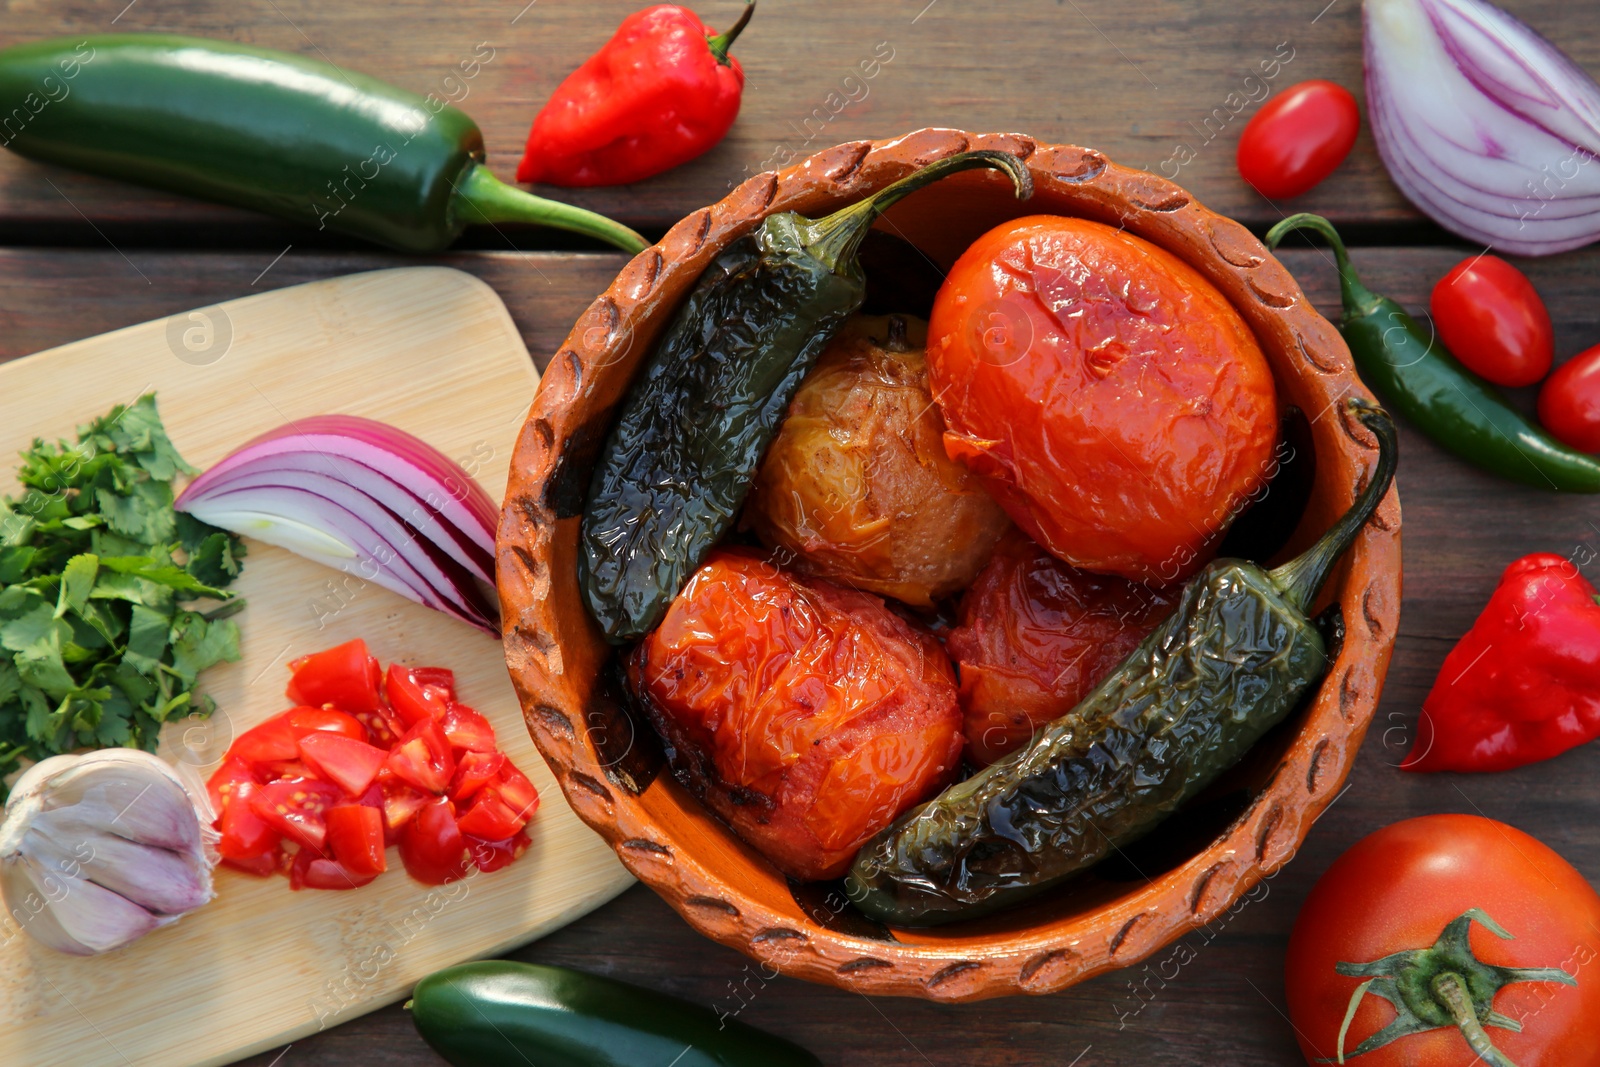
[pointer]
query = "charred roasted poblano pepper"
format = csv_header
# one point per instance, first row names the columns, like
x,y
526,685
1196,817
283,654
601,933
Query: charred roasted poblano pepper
x,y
1231,662
692,431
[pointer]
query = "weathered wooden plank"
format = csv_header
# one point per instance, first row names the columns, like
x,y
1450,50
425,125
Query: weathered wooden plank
x,y
1139,81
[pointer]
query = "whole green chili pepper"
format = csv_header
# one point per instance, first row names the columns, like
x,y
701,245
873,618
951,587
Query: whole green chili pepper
x,y
497,1013
683,451
1235,657
294,137
1414,374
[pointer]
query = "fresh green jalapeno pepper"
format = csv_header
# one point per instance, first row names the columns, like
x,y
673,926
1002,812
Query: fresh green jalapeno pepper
x,y
683,451
1236,656
1408,367
294,137
497,1013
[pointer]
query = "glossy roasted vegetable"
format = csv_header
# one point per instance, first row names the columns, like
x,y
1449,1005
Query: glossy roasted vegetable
x,y
1035,637
806,715
1236,656
858,486
1113,401
680,458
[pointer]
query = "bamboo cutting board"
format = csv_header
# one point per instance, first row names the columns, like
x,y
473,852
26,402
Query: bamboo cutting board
x,y
432,351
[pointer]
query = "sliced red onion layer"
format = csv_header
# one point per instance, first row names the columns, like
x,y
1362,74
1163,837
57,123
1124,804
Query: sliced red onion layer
x,y
368,499
1488,128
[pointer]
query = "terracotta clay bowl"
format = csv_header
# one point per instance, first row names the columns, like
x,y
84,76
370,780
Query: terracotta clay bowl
x,y
1186,873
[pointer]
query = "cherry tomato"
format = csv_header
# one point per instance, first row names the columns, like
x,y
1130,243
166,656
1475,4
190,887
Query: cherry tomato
x,y
313,871
294,807
1396,891
307,720
1112,400
1490,317
431,845
349,764
412,699
355,837
1035,637
806,715
1298,138
422,757
1569,403
344,676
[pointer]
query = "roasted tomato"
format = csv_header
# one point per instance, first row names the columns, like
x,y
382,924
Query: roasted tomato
x,y
1389,952
857,484
1112,399
806,715
1036,636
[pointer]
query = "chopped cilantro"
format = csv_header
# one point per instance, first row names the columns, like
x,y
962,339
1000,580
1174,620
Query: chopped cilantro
x,y
98,642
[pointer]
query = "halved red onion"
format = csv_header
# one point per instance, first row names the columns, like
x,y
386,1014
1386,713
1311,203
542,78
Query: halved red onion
x,y
366,498
1488,128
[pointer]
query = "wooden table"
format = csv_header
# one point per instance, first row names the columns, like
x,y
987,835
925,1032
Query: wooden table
x,y
79,256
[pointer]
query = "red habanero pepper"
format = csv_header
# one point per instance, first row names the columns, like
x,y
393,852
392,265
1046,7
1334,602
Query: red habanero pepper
x,y
1524,683
662,91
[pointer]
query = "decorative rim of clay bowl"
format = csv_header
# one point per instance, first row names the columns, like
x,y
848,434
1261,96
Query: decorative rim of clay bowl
x,y
601,756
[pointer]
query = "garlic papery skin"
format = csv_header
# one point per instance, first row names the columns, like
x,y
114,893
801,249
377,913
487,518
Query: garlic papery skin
x,y
98,849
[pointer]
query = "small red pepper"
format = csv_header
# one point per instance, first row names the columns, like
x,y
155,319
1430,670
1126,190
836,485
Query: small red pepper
x,y
1524,683
662,91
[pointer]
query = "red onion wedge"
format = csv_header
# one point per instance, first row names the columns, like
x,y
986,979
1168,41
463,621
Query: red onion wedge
x,y
368,499
1488,128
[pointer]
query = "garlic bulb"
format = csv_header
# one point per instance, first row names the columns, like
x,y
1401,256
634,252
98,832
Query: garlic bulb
x,y
97,850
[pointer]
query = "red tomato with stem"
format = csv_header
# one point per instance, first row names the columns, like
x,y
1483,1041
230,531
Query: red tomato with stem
x,y
1298,138
1569,403
1404,888
344,676
1491,318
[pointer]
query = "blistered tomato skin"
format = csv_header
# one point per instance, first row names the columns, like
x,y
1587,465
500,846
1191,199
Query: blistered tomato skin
x,y
806,715
1114,402
1035,637
857,486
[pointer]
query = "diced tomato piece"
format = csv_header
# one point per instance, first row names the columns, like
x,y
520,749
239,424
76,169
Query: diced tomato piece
x,y
423,758
412,700
344,676
468,730
267,742
286,768
432,847
225,780
440,678
493,855
473,771
355,836
261,866
307,720
489,817
383,729
400,804
515,789
246,837
311,871
295,807
351,765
